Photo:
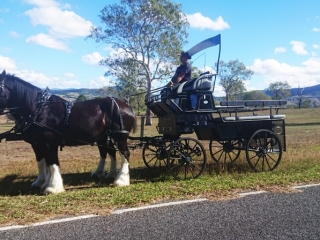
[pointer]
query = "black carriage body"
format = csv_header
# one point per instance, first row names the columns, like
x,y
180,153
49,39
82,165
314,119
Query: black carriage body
x,y
178,115
219,130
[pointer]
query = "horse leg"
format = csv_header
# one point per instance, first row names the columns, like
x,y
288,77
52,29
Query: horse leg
x,y
100,170
112,174
123,177
54,182
42,168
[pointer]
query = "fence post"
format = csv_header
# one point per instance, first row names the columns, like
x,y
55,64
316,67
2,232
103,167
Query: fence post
x,y
142,126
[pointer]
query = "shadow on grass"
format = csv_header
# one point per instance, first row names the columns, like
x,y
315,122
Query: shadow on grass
x,y
14,185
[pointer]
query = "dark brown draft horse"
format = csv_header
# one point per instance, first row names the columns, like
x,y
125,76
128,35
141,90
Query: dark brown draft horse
x,y
48,121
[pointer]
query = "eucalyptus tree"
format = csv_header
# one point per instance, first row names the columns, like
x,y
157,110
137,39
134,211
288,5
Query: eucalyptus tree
x,y
146,37
232,75
279,90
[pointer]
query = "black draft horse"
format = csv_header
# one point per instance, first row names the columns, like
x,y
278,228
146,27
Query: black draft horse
x,y
48,121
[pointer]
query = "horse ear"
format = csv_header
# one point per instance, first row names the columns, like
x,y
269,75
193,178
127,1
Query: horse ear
x,y
3,74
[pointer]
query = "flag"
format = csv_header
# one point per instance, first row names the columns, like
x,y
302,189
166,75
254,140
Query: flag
x,y
210,42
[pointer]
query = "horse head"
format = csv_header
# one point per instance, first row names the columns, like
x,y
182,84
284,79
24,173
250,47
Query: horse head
x,y
3,94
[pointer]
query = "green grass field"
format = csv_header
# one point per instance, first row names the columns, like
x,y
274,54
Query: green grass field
x,y
21,205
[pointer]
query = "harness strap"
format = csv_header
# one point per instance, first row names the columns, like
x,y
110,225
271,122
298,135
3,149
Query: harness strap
x,y
109,131
68,106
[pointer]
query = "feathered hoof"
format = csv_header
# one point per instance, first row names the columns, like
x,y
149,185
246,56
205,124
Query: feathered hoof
x,y
51,190
122,180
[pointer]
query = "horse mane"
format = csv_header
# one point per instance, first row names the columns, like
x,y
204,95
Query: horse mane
x,y
25,94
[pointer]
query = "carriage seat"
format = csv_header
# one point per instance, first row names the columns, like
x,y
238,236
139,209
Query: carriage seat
x,y
201,83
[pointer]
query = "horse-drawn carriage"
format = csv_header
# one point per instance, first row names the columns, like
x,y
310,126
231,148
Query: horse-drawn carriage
x,y
255,127
48,121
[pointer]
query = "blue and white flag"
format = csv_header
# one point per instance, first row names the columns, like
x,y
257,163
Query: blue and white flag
x,y
210,42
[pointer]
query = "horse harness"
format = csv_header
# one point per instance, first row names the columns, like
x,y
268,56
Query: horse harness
x,y
109,124
44,99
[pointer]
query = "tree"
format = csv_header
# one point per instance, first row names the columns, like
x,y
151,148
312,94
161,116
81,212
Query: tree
x,y
256,95
232,76
279,90
147,35
306,103
81,97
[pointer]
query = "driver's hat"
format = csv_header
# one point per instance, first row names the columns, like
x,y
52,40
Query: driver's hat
x,y
185,54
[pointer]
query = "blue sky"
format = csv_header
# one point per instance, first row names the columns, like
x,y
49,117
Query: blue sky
x,y
43,41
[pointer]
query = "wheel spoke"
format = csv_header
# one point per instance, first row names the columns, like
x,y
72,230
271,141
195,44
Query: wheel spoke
x,y
152,159
186,158
179,169
268,162
260,153
196,166
275,161
256,162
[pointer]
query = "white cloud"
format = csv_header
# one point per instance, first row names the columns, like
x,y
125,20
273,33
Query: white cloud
x,y
69,75
99,82
47,41
298,47
41,80
280,50
316,46
197,20
61,23
14,34
92,58
43,3
315,29
271,71
35,78
7,64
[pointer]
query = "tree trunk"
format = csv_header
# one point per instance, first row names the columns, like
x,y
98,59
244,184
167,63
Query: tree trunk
x,y
148,113
148,118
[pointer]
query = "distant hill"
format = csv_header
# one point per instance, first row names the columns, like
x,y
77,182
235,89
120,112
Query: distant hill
x,y
72,94
313,91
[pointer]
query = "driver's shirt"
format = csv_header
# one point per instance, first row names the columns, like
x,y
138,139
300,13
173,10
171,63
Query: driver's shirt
x,y
182,69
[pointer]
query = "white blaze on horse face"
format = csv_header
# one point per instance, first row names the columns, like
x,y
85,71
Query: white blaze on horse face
x,y
42,172
113,169
123,178
99,172
55,183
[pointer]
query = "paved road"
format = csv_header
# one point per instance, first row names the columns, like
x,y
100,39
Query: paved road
x,y
263,216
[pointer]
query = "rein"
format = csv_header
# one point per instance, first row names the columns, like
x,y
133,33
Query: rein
x,y
7,110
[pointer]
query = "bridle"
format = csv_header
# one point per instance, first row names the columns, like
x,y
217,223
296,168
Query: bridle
x,y
2,88
5,96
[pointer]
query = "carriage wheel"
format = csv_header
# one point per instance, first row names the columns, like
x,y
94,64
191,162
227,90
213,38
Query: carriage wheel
x,y
186,159
264,150
224,151
154,155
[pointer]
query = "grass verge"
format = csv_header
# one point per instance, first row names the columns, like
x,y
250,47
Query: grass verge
x,y
21,205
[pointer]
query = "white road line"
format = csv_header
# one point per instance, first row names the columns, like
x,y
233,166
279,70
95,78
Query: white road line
x,y
251,193
11,227
306,186
48,222
120,211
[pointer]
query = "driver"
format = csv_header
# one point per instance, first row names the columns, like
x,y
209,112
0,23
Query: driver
x,y
183,72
